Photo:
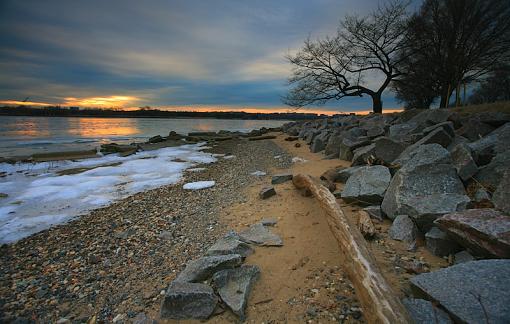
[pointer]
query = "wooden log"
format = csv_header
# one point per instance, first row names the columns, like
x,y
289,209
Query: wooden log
x,y
365,225
258,138
380,304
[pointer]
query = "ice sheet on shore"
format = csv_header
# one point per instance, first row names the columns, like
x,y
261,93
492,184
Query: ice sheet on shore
x,y
38,197
199,185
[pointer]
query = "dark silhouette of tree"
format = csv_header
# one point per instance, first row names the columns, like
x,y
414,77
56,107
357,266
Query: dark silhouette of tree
x,y
496,87
453,42
363,50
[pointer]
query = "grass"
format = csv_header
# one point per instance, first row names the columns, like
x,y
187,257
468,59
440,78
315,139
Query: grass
x,y
501,106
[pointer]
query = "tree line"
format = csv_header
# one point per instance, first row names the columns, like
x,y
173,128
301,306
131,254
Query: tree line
x,y
438,54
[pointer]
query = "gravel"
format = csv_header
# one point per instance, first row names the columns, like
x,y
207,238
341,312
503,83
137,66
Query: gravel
x,y
119,259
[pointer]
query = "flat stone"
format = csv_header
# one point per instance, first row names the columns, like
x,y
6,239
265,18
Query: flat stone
x,y
424,312
184,300
267,192
234,287
447,126
260,235
424,193
203,268
471,292
345,173
463,256
439,243
403,229
501,197
485,232
281,178
415,156
367,185
463,162
383,151
230,244
374,212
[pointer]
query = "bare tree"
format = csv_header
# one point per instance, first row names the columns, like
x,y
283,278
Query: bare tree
x,y
363,50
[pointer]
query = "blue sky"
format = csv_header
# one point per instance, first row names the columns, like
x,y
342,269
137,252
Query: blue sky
x,y
163,53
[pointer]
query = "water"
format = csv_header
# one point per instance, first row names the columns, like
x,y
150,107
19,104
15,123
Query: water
x,y
36,196
25,135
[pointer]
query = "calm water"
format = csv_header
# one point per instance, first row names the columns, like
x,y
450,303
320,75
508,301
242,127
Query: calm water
x,y
25,135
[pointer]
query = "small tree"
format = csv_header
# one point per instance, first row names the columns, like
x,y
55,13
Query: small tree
x,y
364,48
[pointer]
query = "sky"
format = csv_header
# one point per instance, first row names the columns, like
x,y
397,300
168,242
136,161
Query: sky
x,y
130,53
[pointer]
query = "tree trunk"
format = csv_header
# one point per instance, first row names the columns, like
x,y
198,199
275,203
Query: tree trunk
x,y
376,103
380,304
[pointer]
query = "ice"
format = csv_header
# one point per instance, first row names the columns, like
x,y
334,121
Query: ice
x,y
38,197
196,169
198,185
258,173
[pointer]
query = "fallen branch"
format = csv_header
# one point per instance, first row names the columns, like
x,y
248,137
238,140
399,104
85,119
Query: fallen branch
x,y
380,304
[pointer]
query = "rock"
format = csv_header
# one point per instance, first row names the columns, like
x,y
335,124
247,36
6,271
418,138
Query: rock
x,y
116,148
344,174
333,145
349,145
156,139
489,146
471,292
203,268
415,156
473,130
297,145
383,151
481,195
501,197
184,300
332,175
424,312
367,185
281,178
234,287
485,232
365,225
463,256
319,142
439,243
403,229
463,162
375,131
491,174
3,195
230,244
437,136
424,193
267,192
447,126
141,318
268,221
374,212
260,235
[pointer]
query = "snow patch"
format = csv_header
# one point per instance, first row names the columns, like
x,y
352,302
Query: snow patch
x,y
199,185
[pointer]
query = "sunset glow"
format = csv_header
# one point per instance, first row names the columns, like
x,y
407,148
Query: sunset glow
x,y
102,102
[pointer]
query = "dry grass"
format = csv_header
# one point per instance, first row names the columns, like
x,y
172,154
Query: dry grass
x,y
502,106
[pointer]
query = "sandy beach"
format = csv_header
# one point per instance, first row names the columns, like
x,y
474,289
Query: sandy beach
x,y
116,262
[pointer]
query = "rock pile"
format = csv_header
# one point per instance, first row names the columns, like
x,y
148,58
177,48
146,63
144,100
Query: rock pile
x,y
438,175
218,276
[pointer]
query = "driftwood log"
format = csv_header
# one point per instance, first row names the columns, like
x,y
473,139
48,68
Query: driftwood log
x,y
380,304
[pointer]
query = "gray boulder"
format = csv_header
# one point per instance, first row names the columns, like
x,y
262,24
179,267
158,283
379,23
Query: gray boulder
x,y
424,312
374,212
184,300
267,192
333,145
344,174
319,142
230,244
203,268
471,292
501,197
349,145
447,126
383,150
436,136
424,193
234,287
473,129
367,185
415,156
260,235
462,257
403,229
281,178
463,162
489,146
439,243
491,174
485,232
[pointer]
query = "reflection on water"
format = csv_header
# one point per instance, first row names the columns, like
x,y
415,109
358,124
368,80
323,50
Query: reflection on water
x,y
26,135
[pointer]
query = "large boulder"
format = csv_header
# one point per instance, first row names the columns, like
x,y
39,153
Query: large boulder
x,y
438,135
344,174
439,243
447,126
203,268
425,192
383,150
471,292
319,142
489,146
348,145
184,300
403,229
422,155
474,129
333,145
367,185
234,287
463,162
490,175
501,197
485,232
424,312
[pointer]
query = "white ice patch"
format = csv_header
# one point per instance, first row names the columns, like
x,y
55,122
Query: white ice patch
x,y
196,169
228,157
198,185
38,197
297,159
258,173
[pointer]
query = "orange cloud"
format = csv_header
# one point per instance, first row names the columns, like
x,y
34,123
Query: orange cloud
x,y
23,103
101,102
